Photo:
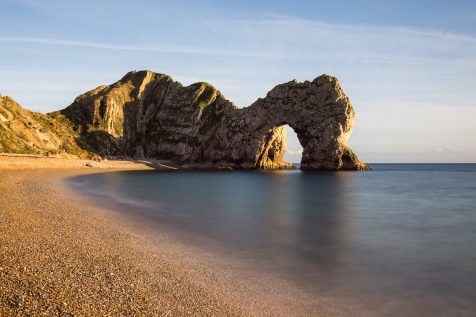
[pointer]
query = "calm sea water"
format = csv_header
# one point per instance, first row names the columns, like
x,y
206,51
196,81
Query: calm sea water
x,y
400,240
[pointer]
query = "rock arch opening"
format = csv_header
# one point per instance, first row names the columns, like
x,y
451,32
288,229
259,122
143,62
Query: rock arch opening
x,y
293,152
279,148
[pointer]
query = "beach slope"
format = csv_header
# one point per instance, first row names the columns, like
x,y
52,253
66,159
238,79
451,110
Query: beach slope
x,y
58,258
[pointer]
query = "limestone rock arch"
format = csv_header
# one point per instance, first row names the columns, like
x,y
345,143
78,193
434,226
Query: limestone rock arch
x,y
149,115
318,111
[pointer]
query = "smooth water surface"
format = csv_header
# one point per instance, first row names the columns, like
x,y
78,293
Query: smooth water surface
x,y
400,239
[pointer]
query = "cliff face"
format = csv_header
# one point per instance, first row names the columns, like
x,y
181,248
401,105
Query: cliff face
x,y
149,115
26,132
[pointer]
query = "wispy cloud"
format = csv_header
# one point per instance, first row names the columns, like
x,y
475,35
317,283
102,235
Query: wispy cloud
x,y
175,49
140,47
291,22
101,45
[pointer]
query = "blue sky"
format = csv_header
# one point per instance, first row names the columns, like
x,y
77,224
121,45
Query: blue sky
x,y
408,66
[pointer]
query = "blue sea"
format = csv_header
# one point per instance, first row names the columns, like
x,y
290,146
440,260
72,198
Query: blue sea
x,y
400,239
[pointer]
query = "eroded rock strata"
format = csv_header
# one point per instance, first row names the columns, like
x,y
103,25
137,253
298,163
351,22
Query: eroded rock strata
x,y
149,115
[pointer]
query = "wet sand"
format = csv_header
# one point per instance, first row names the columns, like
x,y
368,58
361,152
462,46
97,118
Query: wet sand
x,y
61,255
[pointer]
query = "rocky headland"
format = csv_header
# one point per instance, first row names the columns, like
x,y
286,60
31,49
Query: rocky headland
x,y
147,115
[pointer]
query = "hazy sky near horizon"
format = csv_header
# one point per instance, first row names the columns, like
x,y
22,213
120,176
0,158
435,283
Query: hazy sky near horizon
x,y
409,67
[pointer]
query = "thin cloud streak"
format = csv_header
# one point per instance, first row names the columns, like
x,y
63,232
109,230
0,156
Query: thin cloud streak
x,y
375,59
140,48
291,21
75,43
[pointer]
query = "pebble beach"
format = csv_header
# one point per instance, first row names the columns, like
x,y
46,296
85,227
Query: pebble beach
x,y
57,259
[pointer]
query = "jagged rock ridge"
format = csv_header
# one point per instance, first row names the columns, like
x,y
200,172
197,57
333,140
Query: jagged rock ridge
x,y
149,115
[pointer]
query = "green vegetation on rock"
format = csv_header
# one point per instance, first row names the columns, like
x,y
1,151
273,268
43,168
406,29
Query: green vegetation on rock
x,y
25,132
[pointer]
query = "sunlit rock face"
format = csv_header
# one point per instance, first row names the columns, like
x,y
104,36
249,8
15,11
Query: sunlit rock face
x,y
149,115
26,132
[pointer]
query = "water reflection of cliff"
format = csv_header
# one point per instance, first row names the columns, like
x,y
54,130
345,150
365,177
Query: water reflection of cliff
x,y
307,224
